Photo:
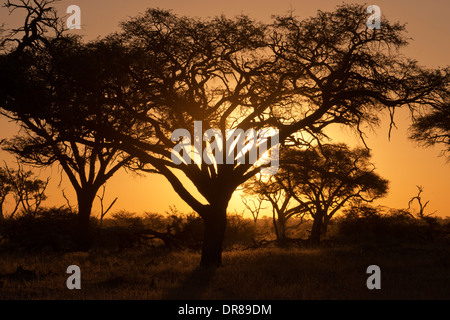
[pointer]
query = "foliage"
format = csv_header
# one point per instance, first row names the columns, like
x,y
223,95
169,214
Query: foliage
x,y
318,181
50,228
155,221
25,189
432,126
126,219
65,82
366,224
190,229
294,75
239,231
53,229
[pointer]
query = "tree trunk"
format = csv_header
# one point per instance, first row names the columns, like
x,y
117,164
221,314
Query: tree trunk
x,y
275,225
281,234
83,235
215,221
326,221
316,230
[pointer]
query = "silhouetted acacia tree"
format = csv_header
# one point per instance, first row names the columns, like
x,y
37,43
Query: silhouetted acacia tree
x,y
297,76
24,188
212,71
322,179
50,87
283,203
255,207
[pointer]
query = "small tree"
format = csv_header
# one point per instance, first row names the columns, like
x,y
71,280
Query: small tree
x,y
284,206
432,126
5,190
421,213
50,85
297,76
27,191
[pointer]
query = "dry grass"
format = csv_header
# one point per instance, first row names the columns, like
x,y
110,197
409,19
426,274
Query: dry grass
x,y
271,273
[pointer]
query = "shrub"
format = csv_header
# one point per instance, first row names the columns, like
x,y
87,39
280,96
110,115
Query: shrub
x,y
127,219
368,224
155,221
187,227
239,231
49,228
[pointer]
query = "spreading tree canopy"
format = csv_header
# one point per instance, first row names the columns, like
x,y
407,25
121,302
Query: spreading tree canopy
x,y
51,85
297,76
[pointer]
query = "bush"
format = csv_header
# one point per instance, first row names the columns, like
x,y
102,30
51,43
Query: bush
x,y
55,228
368,224
155,221
239,231
127,219
127,229
187,228
49,228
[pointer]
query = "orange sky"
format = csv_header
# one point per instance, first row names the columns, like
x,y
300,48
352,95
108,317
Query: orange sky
x,y
401,161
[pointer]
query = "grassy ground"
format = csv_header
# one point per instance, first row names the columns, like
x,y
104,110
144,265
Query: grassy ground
x,y
339,272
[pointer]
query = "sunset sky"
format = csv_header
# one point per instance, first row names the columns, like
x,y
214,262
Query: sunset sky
x,y
403,162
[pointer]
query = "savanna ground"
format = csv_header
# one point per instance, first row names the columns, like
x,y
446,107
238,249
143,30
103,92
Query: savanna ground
x,y
270,273
332,270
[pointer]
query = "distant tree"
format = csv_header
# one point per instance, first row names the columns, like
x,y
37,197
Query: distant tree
x,y
284,206
5,190
25,189
320,181
50,86
255,207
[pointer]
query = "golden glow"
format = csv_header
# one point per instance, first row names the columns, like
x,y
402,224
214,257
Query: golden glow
x,y
401,161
